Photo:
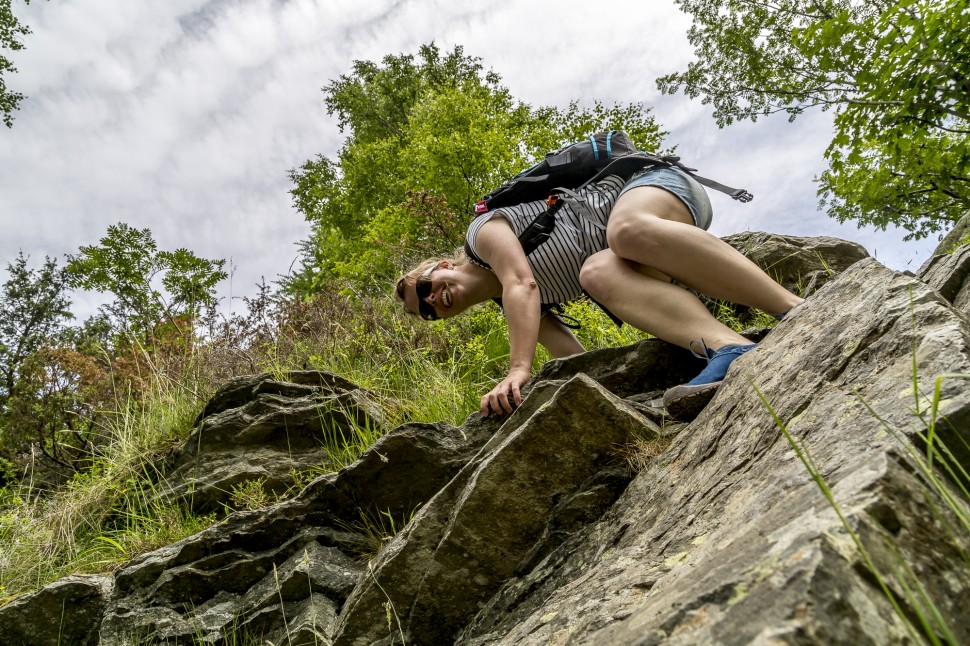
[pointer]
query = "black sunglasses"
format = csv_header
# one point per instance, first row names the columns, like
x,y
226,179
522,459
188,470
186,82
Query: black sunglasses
x,y
423,288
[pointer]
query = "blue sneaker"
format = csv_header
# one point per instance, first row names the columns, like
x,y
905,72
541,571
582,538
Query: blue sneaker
x,y
687,400
718,362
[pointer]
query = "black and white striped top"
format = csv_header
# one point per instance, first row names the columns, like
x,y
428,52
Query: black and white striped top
x,y
579,233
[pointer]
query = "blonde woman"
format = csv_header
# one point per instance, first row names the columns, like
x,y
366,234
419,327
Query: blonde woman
x,y
639,248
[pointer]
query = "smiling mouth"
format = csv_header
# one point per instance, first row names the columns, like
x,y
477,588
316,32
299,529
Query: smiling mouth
x,y
446,296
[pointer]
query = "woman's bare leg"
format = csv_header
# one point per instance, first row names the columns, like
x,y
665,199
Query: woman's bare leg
x,y
653,228
650,302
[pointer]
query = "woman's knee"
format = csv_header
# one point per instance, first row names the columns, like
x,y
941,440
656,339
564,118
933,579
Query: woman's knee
x,y
632,235
595,274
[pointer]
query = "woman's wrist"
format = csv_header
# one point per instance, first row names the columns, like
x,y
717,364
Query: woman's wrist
x,y
521,368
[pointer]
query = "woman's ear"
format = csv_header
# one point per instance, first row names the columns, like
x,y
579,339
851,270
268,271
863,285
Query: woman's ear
x,y
444,264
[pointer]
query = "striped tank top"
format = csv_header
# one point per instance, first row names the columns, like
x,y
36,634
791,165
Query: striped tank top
x,y
580,232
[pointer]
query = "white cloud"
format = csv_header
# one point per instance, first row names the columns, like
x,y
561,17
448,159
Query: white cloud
x,y
183,116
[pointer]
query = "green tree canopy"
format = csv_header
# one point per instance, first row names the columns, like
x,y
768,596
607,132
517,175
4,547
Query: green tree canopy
x,y
34,307
128,264
896,74
428,135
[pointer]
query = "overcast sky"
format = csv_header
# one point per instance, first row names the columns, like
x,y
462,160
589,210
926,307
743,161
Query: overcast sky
x,y
184,116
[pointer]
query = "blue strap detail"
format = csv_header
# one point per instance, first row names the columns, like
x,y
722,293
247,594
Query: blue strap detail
x,y
596,151
609,150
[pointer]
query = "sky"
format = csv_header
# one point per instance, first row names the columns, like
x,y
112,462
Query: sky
x,y
184,117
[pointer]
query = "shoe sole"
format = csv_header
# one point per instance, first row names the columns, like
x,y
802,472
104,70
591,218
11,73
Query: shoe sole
x,y
686,402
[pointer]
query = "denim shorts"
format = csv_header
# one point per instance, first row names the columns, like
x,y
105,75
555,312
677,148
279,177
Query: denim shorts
x,y
680,184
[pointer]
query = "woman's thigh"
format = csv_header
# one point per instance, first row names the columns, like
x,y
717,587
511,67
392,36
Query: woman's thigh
x,y
644,221
680,185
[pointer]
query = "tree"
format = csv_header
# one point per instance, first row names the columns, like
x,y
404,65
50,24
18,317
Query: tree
x,y
428,136
33,309
896,73
128,264
11,31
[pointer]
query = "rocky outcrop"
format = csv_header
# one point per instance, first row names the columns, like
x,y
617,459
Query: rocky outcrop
x,y
799,507
283,574
68,611
949,274
947,270
958,236
473,534
261,428
728,539
801,264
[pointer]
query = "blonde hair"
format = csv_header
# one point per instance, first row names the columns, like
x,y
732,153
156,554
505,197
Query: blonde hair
x,y
410,279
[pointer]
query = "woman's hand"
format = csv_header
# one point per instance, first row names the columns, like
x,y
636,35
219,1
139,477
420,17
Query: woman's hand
x,y
498,401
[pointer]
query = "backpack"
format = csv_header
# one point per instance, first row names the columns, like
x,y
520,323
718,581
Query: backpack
x,y
581,163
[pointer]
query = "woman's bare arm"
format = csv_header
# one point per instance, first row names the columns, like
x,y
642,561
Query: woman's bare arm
x,y
499,247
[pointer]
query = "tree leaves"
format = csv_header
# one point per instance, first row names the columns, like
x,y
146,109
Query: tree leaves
x,y
896,74
11,33
127,264
33,309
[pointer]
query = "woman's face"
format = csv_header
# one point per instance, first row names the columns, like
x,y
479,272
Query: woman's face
x,y
436,293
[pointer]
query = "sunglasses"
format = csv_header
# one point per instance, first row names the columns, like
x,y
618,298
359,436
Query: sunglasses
x,y
423,288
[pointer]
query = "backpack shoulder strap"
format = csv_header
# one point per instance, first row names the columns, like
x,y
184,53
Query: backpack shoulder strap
x,y
639,160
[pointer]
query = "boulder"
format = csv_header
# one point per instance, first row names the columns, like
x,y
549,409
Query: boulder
x,y
627,371
259,428
801,264
283,573
948,269
470,538
728,539
957,236
67,611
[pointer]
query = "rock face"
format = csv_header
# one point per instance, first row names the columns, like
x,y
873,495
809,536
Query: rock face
x,y
948,269
258,428
473,534
797,508
727,539
959,235
68,611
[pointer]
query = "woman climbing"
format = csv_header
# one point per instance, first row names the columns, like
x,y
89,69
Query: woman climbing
x,y
638,248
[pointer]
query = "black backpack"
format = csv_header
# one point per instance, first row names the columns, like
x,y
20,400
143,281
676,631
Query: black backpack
x,y
581,163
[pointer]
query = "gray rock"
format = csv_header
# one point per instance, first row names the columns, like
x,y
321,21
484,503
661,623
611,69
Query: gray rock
x,y
627,371
801,264
727,539
282,574
949,274
65,612
256,428
471,537
957,236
